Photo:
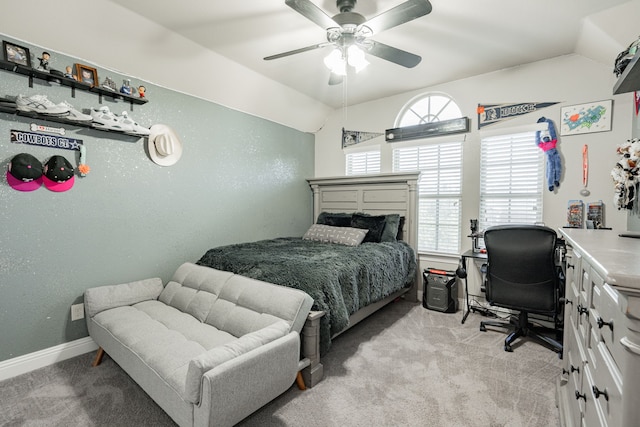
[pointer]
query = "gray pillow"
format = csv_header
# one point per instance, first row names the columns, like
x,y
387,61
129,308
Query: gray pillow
x,y
329,234
391,227
336,219
375,225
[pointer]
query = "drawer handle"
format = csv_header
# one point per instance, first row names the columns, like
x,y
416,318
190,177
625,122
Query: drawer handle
x,y
599,393
570,265
580,396
601,323
583,310
574,369
565,301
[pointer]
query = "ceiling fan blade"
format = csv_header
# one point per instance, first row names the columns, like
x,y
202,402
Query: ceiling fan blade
x,y
302,49
335,79
393,54
312,12
404,12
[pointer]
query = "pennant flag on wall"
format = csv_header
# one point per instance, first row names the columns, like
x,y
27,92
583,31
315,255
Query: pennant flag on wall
x,y
353,137
494,113
636,94
51,141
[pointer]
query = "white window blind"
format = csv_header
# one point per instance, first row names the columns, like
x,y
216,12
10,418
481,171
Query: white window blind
x,y
363,162
440,189
511,180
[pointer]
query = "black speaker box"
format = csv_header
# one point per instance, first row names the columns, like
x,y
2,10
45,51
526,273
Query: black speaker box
x,y
440,290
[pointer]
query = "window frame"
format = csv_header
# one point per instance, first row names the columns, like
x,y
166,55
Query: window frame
x,y
509,188
366,151
449,109
435,232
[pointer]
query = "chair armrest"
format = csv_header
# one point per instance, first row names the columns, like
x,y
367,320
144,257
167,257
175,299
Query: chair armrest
x,y
106,297
239,387
223,353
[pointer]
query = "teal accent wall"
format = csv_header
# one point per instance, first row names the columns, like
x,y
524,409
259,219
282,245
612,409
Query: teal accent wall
x,y
241,178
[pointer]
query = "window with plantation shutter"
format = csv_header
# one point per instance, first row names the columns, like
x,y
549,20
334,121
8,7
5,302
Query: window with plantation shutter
x,y
440,193
363,162
511,180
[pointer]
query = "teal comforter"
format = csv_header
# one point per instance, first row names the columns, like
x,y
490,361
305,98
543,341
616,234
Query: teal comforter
x,y
340,279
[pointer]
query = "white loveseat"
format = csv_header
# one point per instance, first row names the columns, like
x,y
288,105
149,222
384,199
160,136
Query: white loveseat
x,y
210,347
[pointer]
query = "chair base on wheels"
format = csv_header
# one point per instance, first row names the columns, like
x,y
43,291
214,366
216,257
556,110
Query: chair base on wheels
x,y
522,328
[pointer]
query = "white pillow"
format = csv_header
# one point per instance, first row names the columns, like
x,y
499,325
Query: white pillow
x,y
330,234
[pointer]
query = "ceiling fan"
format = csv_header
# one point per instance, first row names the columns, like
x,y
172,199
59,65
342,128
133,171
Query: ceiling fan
x,y
350,33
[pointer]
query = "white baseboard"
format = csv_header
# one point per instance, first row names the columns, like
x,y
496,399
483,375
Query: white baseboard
x,y
39,359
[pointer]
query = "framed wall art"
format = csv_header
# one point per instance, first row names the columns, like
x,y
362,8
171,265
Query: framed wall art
x,y
586,118
87,75
17,54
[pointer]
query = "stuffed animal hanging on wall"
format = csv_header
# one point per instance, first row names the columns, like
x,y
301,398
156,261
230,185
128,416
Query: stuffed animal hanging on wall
x,y
547,141
626,174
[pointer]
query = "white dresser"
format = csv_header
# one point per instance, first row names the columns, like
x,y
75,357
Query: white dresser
x,y
600,383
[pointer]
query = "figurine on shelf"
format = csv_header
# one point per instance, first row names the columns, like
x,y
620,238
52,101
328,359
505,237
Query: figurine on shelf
x,y
141,91
109,84
69,73
44,61
126,87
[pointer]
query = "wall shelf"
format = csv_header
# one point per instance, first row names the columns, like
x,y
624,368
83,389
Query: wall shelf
x,y
32,74
629,80
62,120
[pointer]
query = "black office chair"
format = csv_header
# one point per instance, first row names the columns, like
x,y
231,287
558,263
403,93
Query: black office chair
x,y
522,275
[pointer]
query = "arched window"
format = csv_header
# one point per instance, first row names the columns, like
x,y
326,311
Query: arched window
x,y
428,108
440,162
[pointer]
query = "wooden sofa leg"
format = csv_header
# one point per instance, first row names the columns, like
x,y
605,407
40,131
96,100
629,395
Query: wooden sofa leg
x,y
98,359
300,381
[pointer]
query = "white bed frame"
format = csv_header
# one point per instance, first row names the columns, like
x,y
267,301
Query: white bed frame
x,y
372,194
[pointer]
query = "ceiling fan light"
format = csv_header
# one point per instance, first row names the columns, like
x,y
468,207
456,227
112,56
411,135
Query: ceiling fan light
x,y
336,63
356,58
340,68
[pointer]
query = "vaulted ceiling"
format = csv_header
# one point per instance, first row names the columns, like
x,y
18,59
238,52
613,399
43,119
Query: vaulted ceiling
x,y
458,39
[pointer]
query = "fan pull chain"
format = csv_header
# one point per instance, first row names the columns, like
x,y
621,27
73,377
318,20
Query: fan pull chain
x,y
345,92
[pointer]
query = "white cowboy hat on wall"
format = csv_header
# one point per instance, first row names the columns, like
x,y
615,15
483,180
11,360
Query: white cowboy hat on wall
x,y
164,146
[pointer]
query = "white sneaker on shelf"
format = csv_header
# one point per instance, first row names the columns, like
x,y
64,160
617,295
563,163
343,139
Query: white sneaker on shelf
x,y
40,104
103,118
137,129
74,114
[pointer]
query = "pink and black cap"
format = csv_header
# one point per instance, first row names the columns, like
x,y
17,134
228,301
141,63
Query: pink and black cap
x,y
58,174
24,172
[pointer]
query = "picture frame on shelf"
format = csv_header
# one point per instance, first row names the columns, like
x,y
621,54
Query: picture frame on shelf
x,y
87,75
15,53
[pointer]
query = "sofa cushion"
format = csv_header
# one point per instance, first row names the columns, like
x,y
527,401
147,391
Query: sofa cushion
x,y
233,303
105,297
220,354
163,337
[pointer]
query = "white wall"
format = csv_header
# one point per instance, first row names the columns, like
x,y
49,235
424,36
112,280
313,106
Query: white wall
x,y
569,80
110,36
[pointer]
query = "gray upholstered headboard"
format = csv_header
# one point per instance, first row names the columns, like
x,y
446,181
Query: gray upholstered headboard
x,y
372,194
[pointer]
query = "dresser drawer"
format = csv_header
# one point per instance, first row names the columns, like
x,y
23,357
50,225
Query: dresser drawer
x,y
607,320
572,300
604,387
575,366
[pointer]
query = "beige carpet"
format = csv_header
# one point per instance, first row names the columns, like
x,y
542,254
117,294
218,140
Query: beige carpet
x,y
403,366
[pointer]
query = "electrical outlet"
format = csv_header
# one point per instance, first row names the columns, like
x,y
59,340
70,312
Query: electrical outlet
x,y
77,311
